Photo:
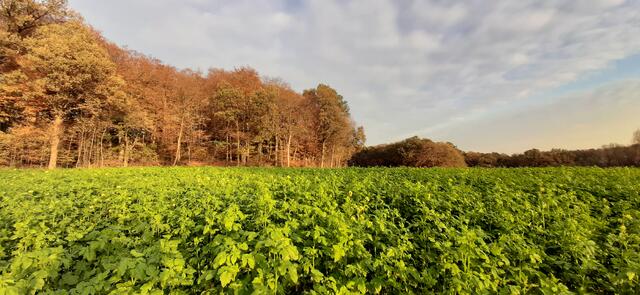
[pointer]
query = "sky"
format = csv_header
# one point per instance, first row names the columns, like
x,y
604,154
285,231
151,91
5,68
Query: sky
x,y
499,75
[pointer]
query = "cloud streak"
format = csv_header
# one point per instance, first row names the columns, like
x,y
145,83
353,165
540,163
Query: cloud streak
x,y
406,67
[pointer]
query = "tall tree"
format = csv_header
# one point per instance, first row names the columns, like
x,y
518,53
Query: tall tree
x,y
290,121
22,17
334,128
18,20
237,104
188,102
70,75
636,137
359,138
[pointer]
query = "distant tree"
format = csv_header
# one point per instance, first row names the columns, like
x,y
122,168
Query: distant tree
x,y
360,138
611,145
69,75
474,159
411,152
636,137
612,155
334,128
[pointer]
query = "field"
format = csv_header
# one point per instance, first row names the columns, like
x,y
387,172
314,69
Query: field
x,y
389,231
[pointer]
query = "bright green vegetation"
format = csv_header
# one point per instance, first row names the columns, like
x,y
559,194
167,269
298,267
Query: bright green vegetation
x,y
207,230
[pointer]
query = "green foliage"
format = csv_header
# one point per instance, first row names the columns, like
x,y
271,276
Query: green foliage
x,y
345,231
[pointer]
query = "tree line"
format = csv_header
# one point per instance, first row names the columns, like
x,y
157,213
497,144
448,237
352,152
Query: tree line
x,y
418,152
611,155
607,156
71,98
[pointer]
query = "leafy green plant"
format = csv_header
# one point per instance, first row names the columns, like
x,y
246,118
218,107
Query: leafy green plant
x,y
320,231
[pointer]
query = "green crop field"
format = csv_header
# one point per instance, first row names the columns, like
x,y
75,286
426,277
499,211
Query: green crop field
x,y
346,231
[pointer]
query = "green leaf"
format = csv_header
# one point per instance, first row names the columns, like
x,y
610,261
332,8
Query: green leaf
x,y
220,259
228,274
209,275
631,275
290,253
316,275
293,274
338,253
136,254
248,260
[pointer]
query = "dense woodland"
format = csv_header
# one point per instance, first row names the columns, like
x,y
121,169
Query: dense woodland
x,y
70,98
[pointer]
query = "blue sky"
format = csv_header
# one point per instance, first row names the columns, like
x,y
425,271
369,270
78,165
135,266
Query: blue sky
x,y
487,75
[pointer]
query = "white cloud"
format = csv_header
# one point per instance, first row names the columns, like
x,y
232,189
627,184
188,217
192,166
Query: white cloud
x,y
406,67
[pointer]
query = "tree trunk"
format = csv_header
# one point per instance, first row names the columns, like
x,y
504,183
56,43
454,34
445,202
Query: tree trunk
x,y
322,156
295,153
177,157
189,151
80,148
237,144
101,150
130,149
69,144
275,151
120,149
333,149
246,153
90,153
56,130
228,150
125,154
289,150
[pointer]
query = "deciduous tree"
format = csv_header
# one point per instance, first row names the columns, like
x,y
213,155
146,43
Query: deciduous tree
x,y
334,129
69,75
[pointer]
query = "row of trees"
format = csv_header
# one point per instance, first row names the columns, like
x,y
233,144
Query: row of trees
x,y
417,152
610,156
70,98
